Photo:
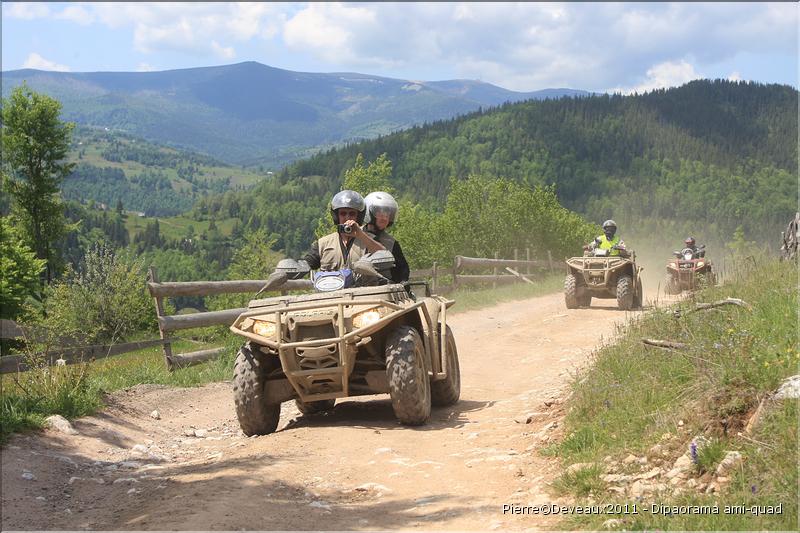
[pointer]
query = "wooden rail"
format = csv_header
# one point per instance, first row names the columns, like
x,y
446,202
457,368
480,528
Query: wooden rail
x,y
169,323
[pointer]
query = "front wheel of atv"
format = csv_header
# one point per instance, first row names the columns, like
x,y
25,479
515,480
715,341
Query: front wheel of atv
x,y
310,408
625,293
409,385
447,391
256,416
571,291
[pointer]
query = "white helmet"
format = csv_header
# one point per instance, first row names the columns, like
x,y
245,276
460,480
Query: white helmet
x,y
380,202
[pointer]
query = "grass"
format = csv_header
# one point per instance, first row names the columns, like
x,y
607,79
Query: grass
x,y
176,227
27,399
632,395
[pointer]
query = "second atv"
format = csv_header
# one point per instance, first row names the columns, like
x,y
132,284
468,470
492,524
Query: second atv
x,y
690,270
600,275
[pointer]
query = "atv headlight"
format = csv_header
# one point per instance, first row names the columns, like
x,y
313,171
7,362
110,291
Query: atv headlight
x,y
673,265
700,263
369,317
264,328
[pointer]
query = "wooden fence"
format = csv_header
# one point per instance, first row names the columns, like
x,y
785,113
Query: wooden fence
x,y
170,323
503,271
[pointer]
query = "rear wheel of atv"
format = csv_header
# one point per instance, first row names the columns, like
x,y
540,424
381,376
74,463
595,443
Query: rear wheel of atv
x,y
409,385
571,292
625,292
670,287
447,391
319,406
639,296
250,370
584,297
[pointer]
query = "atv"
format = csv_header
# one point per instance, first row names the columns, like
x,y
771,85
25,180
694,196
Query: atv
x,y
357,334
600,275
689,271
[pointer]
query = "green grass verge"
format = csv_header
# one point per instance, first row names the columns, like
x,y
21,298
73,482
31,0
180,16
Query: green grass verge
x,y
27,399
632,395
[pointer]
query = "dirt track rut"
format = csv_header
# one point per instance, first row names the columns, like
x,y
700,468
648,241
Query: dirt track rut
x,y
354,468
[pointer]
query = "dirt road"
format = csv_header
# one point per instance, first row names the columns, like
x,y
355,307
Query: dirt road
x,y
354,468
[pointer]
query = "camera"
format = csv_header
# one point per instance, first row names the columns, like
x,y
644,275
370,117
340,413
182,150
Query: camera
x,y
341,228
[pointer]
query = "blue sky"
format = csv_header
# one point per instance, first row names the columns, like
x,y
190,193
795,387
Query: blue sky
x,y
519,46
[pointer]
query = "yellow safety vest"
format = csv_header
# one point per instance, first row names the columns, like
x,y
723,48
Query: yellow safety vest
x,y
605,244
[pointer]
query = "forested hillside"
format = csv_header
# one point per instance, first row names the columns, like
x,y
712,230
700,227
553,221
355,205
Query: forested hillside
x,y
716,152
145,177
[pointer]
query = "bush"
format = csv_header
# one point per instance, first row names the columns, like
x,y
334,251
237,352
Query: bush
x,y
104,302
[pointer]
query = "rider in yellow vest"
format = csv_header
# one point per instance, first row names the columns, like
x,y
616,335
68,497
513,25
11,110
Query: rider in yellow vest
x,y
609,240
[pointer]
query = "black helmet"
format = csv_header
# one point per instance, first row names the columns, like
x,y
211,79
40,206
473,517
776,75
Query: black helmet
x,y
351,200
609,228
689,241
380,201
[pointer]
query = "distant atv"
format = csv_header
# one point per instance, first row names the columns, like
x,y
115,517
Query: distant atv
x,y
689,271
599,275
344,341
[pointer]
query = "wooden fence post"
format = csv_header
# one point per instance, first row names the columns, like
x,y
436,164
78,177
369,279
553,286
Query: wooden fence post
x,y
550,260
527,258
456,264
494,282
160,313
433,278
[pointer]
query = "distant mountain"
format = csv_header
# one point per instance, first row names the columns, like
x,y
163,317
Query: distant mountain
x,y
249,113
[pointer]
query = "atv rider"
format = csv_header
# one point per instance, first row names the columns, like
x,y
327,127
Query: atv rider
x,y
697,252
609,240
381,214
342,248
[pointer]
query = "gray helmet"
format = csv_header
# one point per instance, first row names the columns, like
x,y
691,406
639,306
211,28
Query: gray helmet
x,y
609,224
351,200
380,201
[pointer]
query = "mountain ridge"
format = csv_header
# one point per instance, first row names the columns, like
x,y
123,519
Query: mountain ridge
x,y
248,112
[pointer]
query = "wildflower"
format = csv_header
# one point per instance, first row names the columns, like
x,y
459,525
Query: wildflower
x,y
753,489
693,449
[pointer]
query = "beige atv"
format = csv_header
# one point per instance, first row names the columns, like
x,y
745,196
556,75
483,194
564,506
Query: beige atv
x,y
342,341
599,275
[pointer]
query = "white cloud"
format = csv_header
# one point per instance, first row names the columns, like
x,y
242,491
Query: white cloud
x,y
76,14
662,76
734,76
225,53
25,10
521,46
38,62
144,67
526,46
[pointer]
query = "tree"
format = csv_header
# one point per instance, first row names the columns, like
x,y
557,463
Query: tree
x,y
19,271
365,179
35,145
